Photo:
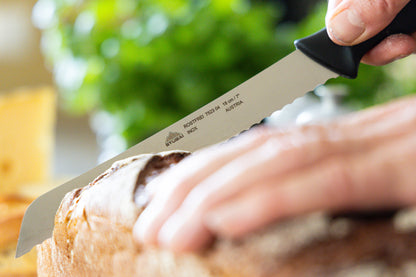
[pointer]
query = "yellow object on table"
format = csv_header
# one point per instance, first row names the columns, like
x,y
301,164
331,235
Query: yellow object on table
x,y
12,209
27,118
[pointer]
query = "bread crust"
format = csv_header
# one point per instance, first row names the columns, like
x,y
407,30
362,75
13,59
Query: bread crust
x,y
93,237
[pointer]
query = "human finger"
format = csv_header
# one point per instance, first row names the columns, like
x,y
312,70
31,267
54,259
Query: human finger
x,y
274,154
279,156
168,191
379,178
350,22
274,160
392,48
184,230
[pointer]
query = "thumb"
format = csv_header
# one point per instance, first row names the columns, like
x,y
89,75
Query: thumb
x,y
350,22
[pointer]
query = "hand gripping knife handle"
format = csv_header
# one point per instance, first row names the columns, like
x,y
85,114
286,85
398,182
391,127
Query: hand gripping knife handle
x,y
345,60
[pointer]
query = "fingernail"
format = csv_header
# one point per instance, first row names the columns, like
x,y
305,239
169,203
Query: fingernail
x,y
166,236
171,231
147,224
213,220
140,228
346,26
182,234
220,218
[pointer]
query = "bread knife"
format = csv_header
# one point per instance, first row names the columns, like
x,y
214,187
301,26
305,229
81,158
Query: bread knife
x,y
315,60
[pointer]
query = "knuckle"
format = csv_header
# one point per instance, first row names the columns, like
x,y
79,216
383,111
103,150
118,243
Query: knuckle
x,y
263,204
375,13
272,147
385,7
341,187
262,132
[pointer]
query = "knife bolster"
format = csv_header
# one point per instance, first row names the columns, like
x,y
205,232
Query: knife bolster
x,y
339,59
345,60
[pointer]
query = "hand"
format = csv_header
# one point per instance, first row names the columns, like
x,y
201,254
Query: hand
x,y
363,161
350,22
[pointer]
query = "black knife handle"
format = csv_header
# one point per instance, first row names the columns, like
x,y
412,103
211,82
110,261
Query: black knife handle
x,y
345,60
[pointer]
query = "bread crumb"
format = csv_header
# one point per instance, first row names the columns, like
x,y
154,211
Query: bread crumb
x,y
405,221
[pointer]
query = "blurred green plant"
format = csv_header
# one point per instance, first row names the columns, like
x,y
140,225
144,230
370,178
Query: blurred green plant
x,y
143,64
148,63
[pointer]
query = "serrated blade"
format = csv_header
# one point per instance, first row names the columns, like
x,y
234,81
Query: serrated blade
x,y
226,116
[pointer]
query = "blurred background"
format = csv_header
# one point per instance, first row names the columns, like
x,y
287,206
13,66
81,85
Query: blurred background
x,y
124,69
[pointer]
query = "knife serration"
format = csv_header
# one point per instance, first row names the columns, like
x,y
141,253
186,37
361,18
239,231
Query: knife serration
x,y
226,116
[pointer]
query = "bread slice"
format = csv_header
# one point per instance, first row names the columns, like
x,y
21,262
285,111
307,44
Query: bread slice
x,y
93,237
24,266
12,209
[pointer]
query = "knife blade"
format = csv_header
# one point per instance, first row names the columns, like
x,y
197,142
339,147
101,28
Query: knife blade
x,y
316,60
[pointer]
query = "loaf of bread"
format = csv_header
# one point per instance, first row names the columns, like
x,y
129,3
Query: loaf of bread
x,y
93,237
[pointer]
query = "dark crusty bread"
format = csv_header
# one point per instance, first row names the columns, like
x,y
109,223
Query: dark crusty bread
x,y
93,237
